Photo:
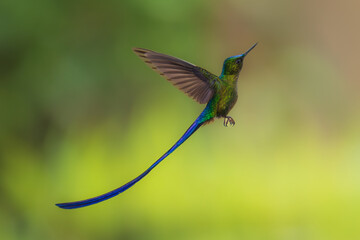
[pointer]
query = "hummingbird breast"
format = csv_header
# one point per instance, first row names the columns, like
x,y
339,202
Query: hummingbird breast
x,y
227,100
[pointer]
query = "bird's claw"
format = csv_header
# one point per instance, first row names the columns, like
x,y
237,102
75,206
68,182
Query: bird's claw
x,y
228,120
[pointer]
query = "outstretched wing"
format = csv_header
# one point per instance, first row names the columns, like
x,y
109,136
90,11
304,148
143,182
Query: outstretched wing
x,y
196,82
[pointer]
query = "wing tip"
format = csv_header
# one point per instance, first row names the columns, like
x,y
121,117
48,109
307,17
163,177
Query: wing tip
x,y
140,51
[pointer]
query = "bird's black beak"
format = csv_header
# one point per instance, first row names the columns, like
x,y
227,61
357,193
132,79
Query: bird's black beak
x,y
249,49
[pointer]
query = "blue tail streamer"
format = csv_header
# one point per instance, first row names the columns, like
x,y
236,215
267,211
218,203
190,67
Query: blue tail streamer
x,y
78,204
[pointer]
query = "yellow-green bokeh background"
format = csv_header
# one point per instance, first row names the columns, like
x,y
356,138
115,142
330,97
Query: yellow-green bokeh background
x,y
81,115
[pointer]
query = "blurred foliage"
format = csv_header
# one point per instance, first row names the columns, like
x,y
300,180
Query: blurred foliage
x,y
81,115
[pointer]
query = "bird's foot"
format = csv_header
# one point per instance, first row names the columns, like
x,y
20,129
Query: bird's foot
x,y
228,120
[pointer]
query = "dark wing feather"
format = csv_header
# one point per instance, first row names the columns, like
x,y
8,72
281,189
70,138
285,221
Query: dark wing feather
x,y
196,82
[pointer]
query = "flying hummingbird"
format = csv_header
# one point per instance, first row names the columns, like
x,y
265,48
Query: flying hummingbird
x,y
218,92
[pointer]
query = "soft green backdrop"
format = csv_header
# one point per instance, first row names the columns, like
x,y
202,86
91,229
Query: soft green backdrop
x,y
81,115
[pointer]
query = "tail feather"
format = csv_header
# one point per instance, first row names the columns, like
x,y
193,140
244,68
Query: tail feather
x,y
78,204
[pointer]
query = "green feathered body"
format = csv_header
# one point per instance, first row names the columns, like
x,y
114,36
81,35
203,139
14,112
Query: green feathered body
x,y
227,96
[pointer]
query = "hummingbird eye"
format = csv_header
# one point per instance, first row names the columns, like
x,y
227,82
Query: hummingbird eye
x,y
238,61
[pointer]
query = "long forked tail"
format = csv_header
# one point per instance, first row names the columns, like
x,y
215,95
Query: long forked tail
x,y
71,205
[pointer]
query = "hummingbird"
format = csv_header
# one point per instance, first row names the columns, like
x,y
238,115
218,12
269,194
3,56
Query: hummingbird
x,y
219,93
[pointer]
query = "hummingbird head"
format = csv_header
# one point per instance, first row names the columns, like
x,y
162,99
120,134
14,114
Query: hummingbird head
x,y
233,65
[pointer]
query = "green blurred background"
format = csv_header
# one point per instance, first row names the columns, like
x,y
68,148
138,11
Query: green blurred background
x,y
81,114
